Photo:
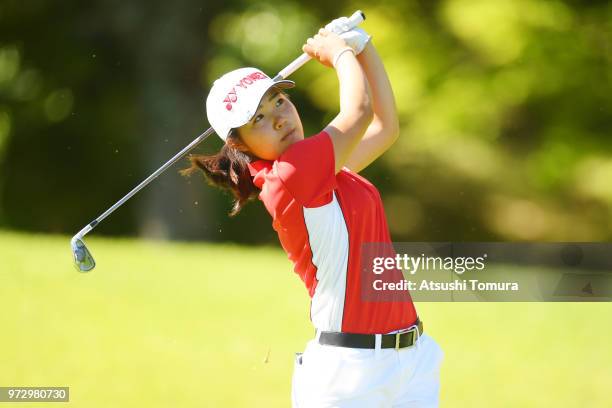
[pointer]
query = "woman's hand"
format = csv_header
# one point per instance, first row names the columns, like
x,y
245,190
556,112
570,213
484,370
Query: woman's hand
x,y
355,37
323,47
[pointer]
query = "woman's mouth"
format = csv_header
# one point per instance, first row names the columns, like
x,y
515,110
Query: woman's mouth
x,y
287,135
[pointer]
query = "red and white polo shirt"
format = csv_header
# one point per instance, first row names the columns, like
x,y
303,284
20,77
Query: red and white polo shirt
x,y
322,218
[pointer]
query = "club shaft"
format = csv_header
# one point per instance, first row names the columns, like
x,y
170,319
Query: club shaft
x,y
355,20
154,175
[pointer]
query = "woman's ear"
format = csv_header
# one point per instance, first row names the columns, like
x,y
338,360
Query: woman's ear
x,y
235,142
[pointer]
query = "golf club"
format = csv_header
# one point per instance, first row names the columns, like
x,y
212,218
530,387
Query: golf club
x,y
83,259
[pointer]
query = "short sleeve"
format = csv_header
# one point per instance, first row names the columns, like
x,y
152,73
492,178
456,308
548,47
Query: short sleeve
x,y
307,168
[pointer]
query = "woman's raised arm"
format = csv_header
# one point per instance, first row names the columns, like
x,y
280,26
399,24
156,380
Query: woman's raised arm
x,y
347,129
384,128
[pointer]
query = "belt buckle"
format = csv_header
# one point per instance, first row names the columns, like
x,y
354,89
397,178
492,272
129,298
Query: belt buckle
x,y
415,336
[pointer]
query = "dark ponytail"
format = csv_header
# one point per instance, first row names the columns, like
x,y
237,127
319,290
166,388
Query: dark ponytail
x,y
227,170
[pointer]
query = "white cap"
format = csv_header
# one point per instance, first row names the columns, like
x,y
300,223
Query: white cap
x,y
235,97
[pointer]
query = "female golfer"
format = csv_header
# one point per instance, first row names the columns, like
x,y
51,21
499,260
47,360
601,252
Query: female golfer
x,y
365,353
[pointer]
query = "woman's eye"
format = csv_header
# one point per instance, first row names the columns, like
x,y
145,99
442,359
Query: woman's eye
x,y
279,102
258,118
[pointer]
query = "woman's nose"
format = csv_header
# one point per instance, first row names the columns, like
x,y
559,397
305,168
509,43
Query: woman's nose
x,y
279,123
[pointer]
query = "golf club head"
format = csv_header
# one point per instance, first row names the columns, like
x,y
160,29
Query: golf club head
x,y
83,260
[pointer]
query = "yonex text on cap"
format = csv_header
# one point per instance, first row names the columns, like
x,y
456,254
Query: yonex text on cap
x,y
235,97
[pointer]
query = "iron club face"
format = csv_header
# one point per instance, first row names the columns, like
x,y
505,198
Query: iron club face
x,y
83,260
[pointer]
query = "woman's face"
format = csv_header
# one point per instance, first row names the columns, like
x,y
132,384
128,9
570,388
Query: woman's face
x,y
275,126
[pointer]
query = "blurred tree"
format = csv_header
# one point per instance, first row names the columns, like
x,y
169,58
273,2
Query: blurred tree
x,y
505,110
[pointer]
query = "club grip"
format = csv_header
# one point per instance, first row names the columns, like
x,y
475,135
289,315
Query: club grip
x,y
355,19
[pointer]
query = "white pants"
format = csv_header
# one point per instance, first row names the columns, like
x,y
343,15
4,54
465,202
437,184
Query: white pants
x,y
339,377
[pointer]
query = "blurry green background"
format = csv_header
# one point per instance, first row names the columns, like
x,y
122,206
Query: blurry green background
x,y
506,115
505,111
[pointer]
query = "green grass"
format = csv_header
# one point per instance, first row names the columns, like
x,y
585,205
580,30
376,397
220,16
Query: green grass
x,y
200,325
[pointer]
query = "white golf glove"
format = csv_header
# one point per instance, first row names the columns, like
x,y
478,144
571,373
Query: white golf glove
x,y
355,38
339,25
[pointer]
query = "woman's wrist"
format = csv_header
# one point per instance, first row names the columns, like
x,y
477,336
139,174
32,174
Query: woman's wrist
x,y
338,53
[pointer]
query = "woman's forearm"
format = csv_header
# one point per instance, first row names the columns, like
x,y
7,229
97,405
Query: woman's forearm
x,y
349,126
383,131
354,93
383,101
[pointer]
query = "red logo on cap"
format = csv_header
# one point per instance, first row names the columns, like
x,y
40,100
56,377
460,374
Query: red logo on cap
x,y
232,97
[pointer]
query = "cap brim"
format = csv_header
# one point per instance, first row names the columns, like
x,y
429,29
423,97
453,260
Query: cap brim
x,y
284,83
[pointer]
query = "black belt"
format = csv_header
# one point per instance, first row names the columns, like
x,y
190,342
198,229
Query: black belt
x,y
405,338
